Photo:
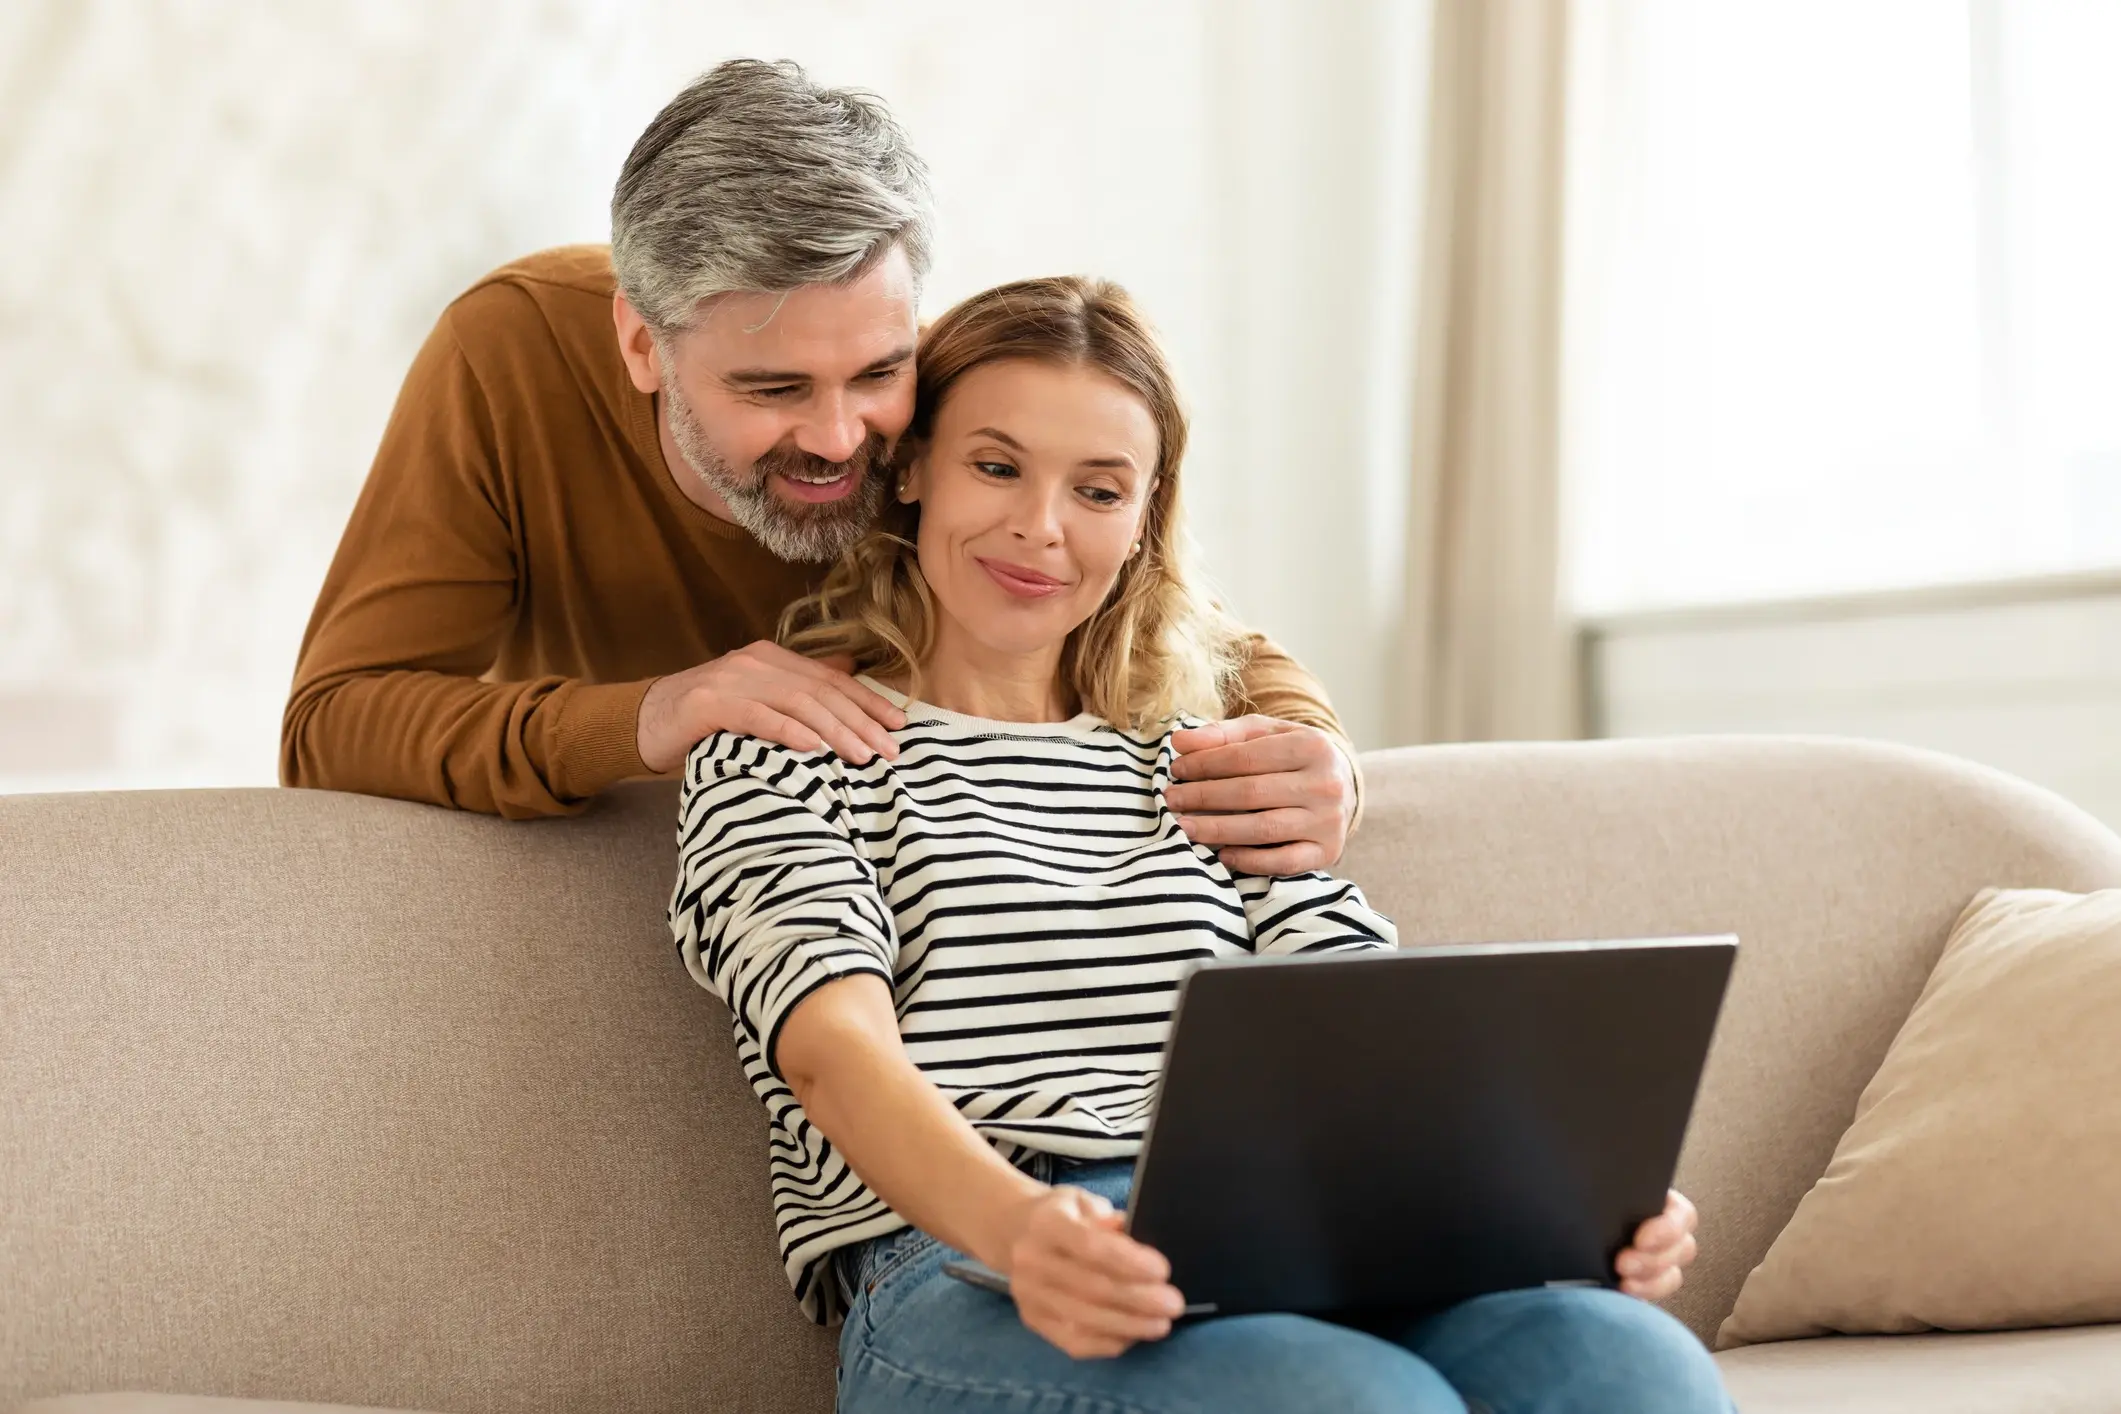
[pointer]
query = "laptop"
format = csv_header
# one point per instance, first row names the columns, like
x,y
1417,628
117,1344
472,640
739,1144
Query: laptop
x,y
1404,1130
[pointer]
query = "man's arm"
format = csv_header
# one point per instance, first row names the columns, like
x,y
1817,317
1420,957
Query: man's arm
x,y
387,696
1276,787
1275,685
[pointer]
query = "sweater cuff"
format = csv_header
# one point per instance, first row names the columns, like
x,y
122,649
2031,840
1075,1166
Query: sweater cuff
x,y
598,739
1347,749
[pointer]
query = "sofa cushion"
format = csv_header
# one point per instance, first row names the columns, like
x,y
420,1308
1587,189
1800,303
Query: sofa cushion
x,y
2075,1371
1974,1191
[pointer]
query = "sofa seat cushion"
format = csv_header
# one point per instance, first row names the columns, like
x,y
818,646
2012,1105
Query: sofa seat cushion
x,y
2070,1371
140,1403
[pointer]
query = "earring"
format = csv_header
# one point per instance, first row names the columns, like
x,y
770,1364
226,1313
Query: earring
x,y
1137,548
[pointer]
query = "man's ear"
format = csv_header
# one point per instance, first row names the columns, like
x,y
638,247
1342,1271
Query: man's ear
x,y
636,345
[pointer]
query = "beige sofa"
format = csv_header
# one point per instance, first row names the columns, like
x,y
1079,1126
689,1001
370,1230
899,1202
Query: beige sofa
x,y
308,1097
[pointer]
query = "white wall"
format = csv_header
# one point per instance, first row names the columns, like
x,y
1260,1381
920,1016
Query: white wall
x,y
2023,677
228,225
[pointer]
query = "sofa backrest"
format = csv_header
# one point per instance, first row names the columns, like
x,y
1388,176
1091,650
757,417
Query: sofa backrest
x,y
313,1096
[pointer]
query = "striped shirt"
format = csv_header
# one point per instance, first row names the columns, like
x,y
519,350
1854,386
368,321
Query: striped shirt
x,y
1026,894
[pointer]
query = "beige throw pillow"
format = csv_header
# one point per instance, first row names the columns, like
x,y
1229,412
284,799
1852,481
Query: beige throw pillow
x,y
1980,1185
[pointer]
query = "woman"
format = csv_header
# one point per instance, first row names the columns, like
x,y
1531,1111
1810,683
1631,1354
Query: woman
x,y
951,975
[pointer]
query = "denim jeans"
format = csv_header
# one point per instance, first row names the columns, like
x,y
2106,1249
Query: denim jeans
x,y
918,1340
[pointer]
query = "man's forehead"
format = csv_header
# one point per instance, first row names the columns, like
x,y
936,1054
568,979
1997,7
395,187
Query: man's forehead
x,y
841,327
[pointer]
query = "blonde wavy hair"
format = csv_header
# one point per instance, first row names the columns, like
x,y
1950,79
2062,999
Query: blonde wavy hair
x,y
1158,645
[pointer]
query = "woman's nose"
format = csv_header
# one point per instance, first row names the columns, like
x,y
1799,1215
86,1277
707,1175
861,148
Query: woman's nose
x,y
1037,516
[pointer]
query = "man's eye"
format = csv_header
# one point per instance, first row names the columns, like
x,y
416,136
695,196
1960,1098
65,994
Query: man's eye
x,y
884,375
779,393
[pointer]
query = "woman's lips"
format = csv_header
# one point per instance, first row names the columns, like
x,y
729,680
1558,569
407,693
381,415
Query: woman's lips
x,y
1023,583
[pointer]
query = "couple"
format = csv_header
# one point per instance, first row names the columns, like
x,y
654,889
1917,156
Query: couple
x,y
948,900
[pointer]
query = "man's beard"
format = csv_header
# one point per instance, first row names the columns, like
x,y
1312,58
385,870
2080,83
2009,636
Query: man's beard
x,y
791,530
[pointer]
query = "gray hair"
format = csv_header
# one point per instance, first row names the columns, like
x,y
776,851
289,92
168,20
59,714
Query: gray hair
x,y
756,179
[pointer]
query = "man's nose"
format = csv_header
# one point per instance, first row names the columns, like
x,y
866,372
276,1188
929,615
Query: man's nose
x,y
834,431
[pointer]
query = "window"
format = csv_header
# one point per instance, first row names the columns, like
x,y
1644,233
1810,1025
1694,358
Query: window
x,y
1844,296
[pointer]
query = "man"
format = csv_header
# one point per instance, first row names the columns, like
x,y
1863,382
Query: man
x,y
609,472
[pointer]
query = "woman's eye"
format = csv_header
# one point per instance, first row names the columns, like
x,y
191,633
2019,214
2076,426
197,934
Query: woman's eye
x,y
1102,495
1001,471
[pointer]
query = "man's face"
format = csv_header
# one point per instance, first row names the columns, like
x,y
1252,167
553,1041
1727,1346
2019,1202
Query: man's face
x,y
788,408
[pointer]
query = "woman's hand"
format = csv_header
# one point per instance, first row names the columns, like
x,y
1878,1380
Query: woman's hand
x,y
1081,1282
1655,1266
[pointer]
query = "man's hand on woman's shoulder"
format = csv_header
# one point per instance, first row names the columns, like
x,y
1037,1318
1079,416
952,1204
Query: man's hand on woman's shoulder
x,y
764,690
1271,797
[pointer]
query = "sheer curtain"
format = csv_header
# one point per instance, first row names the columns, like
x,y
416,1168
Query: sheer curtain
x,y
1485,654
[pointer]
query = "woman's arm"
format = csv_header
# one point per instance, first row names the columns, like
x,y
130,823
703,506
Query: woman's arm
x,y
1303,913
1077,1279
777,912
841,1055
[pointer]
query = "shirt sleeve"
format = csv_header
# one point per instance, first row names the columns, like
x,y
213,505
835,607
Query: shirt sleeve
x,y
1305,913
389,696
773,899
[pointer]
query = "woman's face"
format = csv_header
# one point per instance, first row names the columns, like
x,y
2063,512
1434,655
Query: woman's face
x,y
1032,489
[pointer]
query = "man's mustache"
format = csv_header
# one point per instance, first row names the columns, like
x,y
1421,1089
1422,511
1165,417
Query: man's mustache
x,y
868,460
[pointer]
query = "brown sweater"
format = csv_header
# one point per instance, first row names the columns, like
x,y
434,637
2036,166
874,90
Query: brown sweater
x,y
520,566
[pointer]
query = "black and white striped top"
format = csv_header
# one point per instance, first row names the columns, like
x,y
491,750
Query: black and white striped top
x,y
1024,891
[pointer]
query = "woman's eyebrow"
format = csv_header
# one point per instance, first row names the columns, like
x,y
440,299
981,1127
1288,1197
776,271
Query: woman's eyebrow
x,y
1120,460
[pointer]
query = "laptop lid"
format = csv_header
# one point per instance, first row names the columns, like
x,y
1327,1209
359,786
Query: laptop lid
x,y
1407,1129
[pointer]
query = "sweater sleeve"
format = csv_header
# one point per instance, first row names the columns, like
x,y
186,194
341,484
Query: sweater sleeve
x,y
773,899
388,697
1273,684
1305,913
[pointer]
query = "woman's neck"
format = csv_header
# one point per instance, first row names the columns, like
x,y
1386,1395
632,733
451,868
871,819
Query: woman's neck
x,y
1002,687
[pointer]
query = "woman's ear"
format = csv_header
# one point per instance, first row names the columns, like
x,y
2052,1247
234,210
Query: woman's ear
x,y
1142,531
912,475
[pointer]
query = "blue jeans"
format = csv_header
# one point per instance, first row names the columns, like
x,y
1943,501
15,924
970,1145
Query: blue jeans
x,y
918,1340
